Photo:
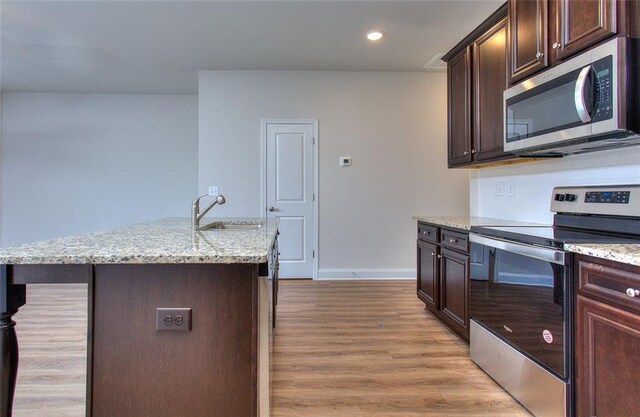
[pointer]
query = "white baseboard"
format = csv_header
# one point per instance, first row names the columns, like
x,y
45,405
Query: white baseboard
x,y
366,273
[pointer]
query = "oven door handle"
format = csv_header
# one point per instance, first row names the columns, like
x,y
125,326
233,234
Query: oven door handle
x,y
530,251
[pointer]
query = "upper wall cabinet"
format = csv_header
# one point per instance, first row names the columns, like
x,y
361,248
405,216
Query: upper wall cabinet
x,y
542,33
580,24
528,37
476,79
489,81
459,108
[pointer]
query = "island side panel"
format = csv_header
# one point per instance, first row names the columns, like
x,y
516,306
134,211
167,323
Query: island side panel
x,y
207,372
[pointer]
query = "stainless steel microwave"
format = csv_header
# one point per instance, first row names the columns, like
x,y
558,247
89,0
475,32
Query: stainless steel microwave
x,y
591,101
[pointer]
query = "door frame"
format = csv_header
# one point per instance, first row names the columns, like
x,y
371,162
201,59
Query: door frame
x,y
264,123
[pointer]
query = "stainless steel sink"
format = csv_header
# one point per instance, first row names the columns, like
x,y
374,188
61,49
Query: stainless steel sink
x,y
230,226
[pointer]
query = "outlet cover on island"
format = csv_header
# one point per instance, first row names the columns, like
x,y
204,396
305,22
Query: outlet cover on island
x,y
511,188
213,190
499,192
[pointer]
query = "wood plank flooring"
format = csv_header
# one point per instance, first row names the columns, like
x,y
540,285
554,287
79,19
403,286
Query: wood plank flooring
x,y
368,349
342,349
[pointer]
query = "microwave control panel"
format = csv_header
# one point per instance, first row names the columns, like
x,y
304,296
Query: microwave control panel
x,y
603,91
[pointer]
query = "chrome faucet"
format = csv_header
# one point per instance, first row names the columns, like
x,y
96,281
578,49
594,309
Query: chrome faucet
x,y
196,214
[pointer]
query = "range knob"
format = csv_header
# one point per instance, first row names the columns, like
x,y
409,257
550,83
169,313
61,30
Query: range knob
x,y
559,197
570,197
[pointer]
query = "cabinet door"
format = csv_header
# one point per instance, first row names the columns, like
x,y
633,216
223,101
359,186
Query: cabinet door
x,y
454,291
428,275
527,39
489,81
459,109
582,23
607,352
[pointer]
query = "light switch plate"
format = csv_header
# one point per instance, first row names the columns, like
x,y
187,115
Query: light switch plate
x,y
213,190
173,319
345,161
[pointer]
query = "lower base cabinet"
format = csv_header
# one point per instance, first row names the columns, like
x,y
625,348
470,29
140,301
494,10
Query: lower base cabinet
x,y
607,338
443,275
454,294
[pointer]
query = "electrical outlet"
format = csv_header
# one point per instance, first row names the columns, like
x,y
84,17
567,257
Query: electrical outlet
x,y
499,191
511,188
213,191
173,319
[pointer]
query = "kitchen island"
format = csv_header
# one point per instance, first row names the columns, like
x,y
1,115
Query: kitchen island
x,y
206,356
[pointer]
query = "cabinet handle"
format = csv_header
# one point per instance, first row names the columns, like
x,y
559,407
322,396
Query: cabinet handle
x,y
633,293
466,153
539,55
424,232
473,152
555,45
439,256
453,240
433,254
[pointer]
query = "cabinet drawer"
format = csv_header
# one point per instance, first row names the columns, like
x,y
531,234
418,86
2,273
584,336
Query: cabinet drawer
x,y
454,240
428,233
615,283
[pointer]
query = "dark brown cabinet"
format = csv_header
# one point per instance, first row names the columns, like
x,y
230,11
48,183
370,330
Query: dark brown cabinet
x,y
489,81
454,295
581,24
607,338
428,274
542,33
528,40
459,109
476,78
443,275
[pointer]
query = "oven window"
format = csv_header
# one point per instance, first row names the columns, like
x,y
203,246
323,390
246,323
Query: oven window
x,y
521,299
547,108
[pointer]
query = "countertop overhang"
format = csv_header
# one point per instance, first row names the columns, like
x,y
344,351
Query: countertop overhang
x,y
169,240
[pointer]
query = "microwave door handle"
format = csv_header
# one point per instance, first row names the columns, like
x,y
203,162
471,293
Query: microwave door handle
x,y
578,95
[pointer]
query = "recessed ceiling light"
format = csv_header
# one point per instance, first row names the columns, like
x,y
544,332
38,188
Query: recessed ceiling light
x,y
375,35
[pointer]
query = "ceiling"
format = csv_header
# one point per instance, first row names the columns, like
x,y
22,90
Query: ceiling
x,y
159,46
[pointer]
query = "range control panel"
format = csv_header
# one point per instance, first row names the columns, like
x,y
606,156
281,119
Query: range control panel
x,y
615,197
618,200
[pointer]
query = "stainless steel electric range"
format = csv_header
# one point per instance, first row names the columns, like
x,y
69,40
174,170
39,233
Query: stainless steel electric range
x,y
521,300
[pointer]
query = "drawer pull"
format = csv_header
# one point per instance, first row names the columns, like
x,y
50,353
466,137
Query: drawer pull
x,y
633,293
453,240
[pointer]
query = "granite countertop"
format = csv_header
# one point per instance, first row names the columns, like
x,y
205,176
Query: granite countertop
x,y
625,253
169,240
465,222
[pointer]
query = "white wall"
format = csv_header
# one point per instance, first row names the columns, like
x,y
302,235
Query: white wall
x,y
392,124
534,182
80,162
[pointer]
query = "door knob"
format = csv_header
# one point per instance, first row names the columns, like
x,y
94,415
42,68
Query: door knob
x,y
539,55
631,292
555,45
273,209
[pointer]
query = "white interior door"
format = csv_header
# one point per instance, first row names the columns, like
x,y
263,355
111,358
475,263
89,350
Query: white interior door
x,y
290,194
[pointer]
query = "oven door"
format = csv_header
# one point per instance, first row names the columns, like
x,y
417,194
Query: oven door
x,y
520,294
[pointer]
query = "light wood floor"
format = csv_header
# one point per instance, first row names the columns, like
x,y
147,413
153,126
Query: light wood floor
x,y
342,349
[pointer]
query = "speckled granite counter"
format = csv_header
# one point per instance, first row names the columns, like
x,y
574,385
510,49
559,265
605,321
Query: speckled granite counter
x,y
465,222
169,240
625,253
